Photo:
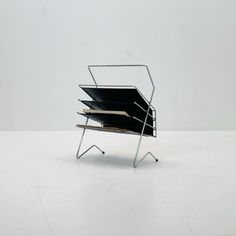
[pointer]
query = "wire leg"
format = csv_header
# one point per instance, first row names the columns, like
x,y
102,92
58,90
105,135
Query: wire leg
x,y
81,140
89,149
148,153
136,154
152,156
135,162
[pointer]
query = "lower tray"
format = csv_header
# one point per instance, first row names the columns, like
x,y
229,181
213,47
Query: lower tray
x,y
121,122
109,129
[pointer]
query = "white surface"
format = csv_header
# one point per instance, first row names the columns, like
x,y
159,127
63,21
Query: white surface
x,y
46,45
45,191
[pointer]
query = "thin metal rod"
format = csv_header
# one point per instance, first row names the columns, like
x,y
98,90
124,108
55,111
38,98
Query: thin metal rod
x,y
81,140
92,76
145,121
116,65
95,146
148,153
105,85
77,154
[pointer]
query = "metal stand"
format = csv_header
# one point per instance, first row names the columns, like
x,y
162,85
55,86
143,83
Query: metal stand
x,y
135,162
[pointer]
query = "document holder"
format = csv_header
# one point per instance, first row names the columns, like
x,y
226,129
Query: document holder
x,y
118,109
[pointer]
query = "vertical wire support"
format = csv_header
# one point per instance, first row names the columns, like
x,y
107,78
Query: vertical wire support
x,y
82,137
81,140
145,121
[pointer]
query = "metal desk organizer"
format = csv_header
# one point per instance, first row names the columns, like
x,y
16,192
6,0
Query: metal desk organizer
x,y
131,113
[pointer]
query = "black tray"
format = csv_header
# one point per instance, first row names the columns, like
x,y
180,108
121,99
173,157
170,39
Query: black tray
x,y
116,94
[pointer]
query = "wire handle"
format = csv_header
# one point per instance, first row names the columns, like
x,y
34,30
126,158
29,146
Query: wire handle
x,y
128,65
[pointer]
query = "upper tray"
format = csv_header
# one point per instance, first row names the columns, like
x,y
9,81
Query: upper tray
x,y
117,94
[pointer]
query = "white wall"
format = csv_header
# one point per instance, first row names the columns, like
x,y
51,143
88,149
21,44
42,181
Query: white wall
x,y
45,46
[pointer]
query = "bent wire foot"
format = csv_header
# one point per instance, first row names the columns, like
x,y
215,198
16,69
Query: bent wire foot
x,y
135,164
78,156
81,140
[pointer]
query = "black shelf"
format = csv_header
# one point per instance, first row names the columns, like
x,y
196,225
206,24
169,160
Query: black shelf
x,y
116,94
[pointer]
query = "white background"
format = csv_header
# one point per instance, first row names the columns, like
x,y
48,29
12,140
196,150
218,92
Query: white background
x,y
46,45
